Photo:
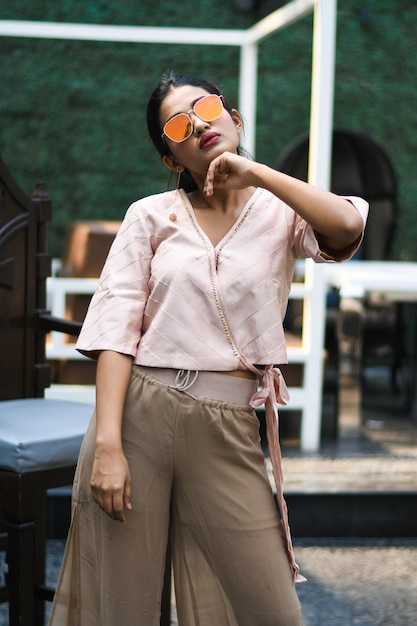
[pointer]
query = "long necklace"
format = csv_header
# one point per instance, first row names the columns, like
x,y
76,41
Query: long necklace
x,y
212,267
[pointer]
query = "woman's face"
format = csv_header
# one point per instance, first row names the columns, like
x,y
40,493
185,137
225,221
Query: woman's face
x,y
208,139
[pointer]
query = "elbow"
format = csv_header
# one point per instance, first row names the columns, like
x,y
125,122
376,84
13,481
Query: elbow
x,y
352,225
345,233
352,231
348,226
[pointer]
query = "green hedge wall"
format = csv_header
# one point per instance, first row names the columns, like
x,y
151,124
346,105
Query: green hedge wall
x,y
73,113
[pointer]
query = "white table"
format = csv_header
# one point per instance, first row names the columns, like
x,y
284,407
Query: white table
x,y
393,281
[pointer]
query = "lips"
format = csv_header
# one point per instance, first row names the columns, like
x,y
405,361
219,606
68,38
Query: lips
x,y
208,139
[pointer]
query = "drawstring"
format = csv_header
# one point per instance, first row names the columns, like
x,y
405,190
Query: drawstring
x,y
273,390
183,379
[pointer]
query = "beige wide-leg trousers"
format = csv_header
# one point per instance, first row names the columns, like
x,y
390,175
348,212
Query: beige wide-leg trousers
x,y
230,564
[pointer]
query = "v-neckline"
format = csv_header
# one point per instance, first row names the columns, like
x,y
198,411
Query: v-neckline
x,y
234,226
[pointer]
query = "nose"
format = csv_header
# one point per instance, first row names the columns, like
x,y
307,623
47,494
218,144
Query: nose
x,y
199,125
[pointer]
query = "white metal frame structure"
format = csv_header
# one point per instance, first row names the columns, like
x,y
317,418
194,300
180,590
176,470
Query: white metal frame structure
x,y
308,397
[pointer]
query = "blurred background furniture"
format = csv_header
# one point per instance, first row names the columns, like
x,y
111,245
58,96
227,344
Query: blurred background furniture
x,y
392,282
39,438
370,332
86,247
360,167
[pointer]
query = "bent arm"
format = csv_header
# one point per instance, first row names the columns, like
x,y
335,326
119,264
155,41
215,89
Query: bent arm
x,y
336,222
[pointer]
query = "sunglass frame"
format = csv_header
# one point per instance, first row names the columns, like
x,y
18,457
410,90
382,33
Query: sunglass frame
x,y
187,115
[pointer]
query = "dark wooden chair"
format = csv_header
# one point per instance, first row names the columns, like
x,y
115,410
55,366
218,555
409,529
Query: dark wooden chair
x,y
40,438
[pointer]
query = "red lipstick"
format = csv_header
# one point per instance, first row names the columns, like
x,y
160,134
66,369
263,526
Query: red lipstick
x,y
208,139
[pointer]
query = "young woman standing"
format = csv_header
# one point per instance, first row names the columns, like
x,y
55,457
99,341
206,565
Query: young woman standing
x,y
186,325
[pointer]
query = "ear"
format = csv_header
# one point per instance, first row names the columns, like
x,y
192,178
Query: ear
x,y
172,164
237,119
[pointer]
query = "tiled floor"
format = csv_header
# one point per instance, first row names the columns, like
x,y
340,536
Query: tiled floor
x,y
376,450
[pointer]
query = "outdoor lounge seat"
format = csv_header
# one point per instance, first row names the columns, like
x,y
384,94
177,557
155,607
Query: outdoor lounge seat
x,y
40,438
39,444
39,434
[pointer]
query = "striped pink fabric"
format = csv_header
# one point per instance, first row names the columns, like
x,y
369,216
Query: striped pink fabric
x,y
169,298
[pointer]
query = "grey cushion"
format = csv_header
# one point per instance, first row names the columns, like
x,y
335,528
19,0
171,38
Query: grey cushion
x,y
39,433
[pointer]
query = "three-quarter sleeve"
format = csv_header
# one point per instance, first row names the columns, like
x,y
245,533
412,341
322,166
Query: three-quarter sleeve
x,y
114,317
305,244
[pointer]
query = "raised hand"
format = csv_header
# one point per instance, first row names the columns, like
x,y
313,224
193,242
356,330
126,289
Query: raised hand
x,y
227,171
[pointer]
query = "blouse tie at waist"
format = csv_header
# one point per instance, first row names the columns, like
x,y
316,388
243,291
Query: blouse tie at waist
x,y
274,390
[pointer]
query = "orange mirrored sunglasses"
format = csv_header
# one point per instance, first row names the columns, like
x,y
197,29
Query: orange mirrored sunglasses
x,y
180,126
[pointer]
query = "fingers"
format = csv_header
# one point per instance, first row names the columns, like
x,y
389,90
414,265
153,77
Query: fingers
x,y
113,504
217,174
209,182
127,503
113,499
109,503
118,508
226,170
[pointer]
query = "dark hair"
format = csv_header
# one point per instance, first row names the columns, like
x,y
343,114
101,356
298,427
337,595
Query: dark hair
x,y
169,81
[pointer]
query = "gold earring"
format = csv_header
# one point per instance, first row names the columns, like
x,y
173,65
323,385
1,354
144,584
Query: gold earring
x,y
173,215
179,172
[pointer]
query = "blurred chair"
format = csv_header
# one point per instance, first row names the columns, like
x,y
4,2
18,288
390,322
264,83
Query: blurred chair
x,y
359,167
86,246
358,333
39,438
85,249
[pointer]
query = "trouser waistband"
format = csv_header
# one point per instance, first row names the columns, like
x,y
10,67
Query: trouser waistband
x,y
203,384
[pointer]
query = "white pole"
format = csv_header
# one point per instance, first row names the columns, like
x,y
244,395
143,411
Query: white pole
x,y
322,93
127,34
321,124
248,94
284,16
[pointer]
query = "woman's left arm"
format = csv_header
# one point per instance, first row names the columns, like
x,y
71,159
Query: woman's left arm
x,y
336,221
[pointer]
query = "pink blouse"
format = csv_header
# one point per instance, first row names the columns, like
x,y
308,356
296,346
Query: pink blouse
x,y
171,299
168,298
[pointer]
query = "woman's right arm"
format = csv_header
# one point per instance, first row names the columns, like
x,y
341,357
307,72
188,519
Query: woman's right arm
x,y
110,478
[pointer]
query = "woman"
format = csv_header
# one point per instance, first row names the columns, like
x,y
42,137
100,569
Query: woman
x,y
187,319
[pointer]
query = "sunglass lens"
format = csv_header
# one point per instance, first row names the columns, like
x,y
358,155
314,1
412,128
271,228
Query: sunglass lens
x,y
209,108
178,128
